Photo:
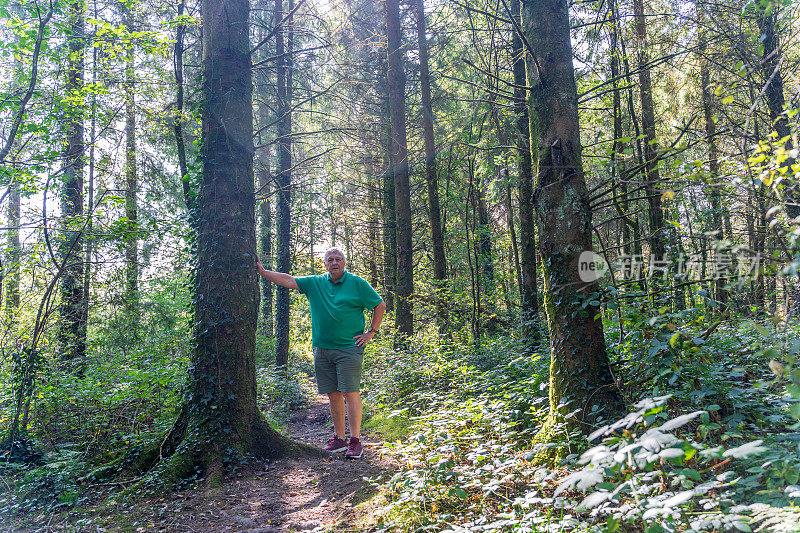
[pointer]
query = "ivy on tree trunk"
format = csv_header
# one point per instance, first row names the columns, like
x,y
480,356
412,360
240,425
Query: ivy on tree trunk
x,y
580,375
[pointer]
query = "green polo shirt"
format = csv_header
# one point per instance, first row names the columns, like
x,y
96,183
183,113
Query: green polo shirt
x,y
337,309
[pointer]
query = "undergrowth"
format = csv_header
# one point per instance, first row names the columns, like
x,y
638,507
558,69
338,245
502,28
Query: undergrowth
x,y
710,443
85,431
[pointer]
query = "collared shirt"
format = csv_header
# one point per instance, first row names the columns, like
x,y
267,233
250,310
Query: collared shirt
x,y
337,308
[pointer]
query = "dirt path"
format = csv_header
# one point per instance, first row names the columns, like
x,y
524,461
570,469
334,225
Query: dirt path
x,y
318,494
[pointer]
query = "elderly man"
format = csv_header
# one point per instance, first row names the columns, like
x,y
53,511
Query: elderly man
x,y
338,300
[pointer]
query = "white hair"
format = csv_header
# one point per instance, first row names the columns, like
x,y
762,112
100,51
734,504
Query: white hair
x,y
334,251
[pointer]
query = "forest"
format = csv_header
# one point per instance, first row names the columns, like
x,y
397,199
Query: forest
x,y
583,217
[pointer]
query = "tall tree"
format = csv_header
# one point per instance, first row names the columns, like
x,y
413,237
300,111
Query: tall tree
x,y
10,268
220,423
617,162
265,189
396,81
180,143
527,224
715,184
773,90
283,51
265,238
431,178
580,374
131,185
652,187
73,311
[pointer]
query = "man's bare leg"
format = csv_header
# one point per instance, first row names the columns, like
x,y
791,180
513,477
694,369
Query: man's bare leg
x,y
337,413
354,410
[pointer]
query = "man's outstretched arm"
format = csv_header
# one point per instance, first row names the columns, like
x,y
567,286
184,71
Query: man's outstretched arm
x,y
279,278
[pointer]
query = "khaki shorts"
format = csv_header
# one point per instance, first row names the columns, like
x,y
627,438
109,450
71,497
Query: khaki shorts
x,y
338,369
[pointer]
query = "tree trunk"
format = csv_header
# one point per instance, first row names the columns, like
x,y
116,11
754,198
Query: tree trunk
x,y
714,184
580,374
283,49
180,144
372,232
267,287
770,67
395,82
431,178
73,311
265,208
652,188
220,424
389,239
617,162
131,186
529,297
485,252
514,256
10,269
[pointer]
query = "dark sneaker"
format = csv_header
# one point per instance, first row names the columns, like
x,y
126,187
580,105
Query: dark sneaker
x,y
335,444
354,449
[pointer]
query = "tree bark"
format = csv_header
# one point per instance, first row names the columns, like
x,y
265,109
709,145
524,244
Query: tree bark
x,y
529,297
131,186
10,268
431,178
220,424
395,79
73,310
580,374
283,49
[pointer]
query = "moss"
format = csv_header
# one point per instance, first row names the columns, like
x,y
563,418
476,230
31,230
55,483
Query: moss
x,y
552,441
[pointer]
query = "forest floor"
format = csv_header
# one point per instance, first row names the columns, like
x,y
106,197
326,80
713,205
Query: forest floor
x,y
325,494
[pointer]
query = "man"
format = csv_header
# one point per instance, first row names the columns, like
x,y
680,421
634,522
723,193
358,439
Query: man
x,y
338,300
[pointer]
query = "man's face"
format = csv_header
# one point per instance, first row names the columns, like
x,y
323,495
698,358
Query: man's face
x,y
335,265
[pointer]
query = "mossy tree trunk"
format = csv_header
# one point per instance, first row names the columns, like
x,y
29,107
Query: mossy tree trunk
x,y
131,185
395,83
529,291
220,423
11,269
580,375
73,310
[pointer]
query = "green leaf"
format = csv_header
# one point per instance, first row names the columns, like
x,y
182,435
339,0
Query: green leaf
x,y
794,390
458,493
727,100
745,450
673,341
